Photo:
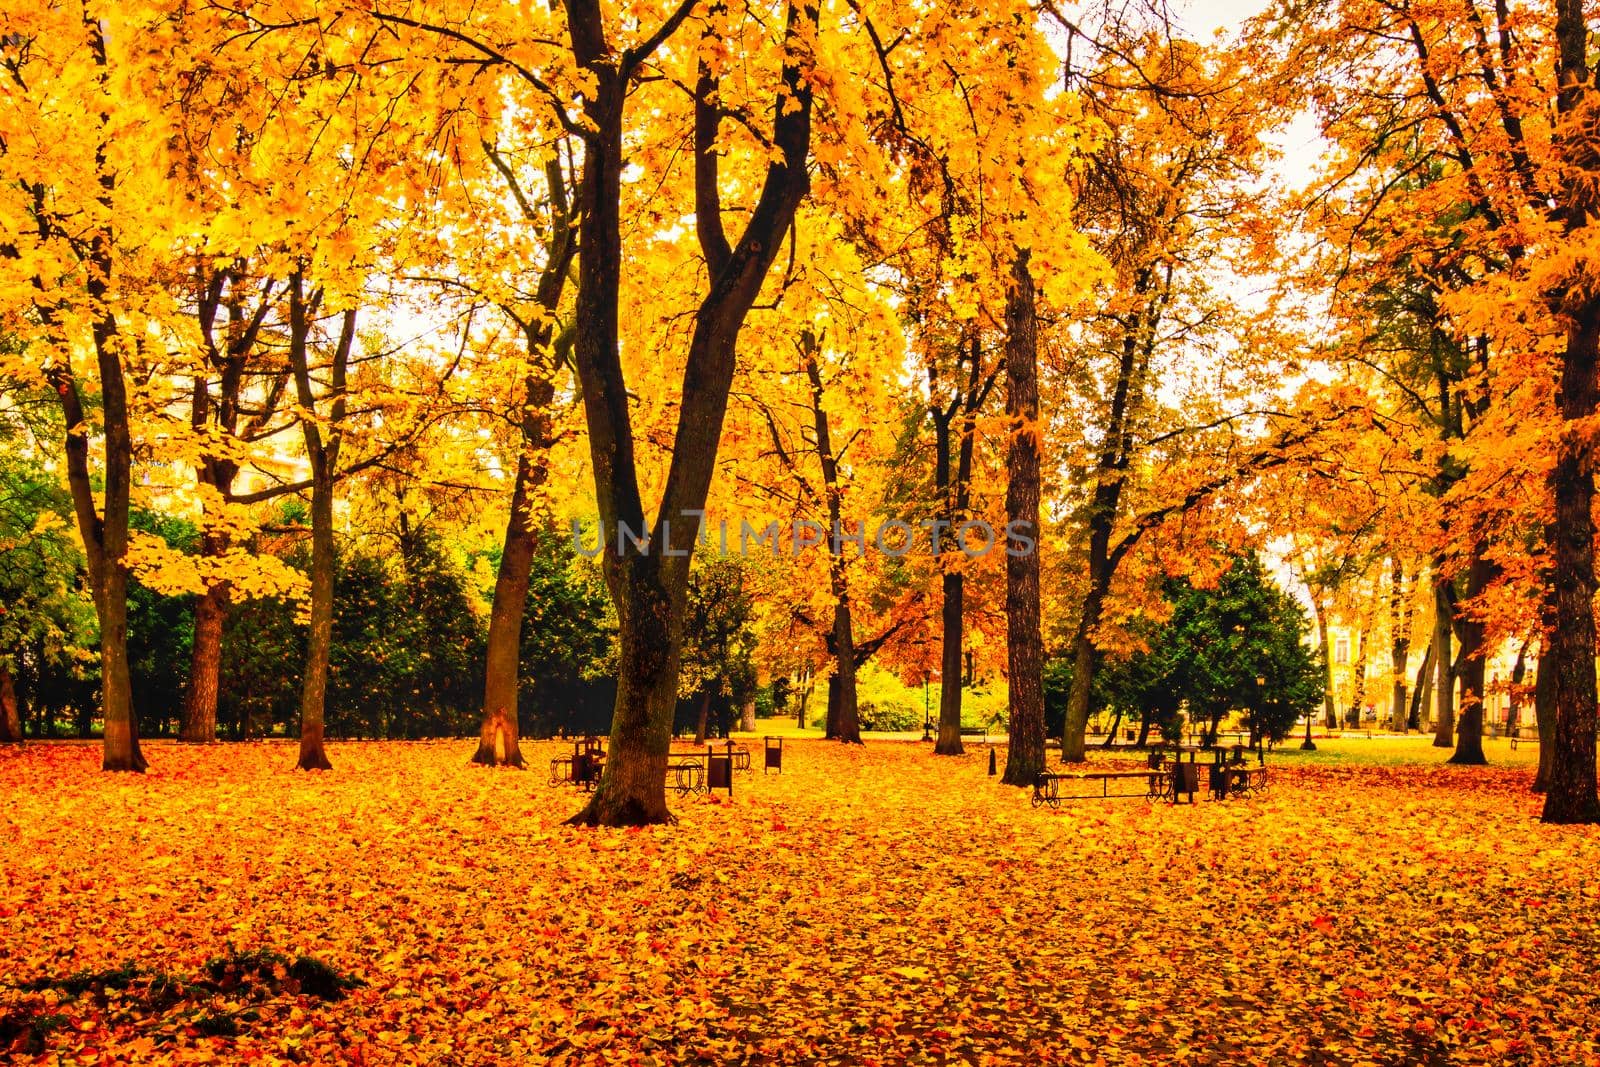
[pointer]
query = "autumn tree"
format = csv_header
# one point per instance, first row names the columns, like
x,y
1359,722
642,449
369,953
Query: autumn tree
x,y
1488,108
648,584
1024,628
1170,187
973,146
86,224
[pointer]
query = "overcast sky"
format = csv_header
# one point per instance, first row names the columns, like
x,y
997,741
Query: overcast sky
x,y
1202,16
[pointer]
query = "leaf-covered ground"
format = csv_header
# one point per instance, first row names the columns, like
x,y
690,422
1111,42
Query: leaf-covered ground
x,y
869,905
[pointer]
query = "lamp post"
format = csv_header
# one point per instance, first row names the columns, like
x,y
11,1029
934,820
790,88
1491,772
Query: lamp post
x,y
1307,745
927,713
1261,685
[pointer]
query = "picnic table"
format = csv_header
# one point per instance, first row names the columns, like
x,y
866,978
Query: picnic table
x,y
1165,777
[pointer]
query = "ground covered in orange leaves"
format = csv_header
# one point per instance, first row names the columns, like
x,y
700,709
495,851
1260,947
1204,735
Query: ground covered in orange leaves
x,y
869,905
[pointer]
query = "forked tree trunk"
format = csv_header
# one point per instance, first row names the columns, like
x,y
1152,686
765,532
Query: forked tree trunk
x,y
1139,337
649,584
221,292
955,438
1024,632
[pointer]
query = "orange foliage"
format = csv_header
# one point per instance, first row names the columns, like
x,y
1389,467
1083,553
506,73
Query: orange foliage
x,y
811,918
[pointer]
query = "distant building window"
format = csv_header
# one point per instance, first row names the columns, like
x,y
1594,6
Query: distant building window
x,y
1341,651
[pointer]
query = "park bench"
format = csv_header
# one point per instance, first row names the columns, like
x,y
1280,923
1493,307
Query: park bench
x,y
980,732
1048,788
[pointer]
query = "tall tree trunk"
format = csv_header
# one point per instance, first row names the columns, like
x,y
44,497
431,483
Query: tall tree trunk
x,y
199,725
1474,664
10,715
1572,796
844,714
1400,609
953,481
121,728
212,419
951,667
747,717
1519,672
1024,631
702,719
1073,747
103,530
649,585
105,537
1544,717
319,641
1358,689
1139,336
499,735
632,790
1330,713
1422,691
1444,679
323,453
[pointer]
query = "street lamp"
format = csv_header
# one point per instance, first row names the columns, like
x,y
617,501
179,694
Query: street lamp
x,y
1261,685
1307,745
927,709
